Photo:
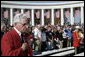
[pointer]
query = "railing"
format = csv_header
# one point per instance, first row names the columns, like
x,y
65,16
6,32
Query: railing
x,y
80,54
64,53
55,51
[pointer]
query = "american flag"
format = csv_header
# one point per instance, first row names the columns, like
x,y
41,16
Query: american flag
x,y
47,14
5,14
37,14
28,14
67,13
57,14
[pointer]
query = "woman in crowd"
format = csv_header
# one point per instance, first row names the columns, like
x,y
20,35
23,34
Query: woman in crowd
x,y
76,39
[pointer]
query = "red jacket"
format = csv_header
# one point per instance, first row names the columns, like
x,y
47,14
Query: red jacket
x,y
76,40
11,45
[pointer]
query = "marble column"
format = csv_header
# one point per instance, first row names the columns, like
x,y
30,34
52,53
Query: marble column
x,y
32,14
42,17
62,17
52,16
11,16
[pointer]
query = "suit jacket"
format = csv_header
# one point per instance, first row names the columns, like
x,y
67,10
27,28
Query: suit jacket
x,y
11,45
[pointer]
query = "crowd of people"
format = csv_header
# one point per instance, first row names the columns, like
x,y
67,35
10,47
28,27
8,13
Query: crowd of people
x,y
38,38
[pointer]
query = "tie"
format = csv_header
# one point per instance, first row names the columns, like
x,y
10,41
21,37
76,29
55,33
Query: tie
x,y
22,38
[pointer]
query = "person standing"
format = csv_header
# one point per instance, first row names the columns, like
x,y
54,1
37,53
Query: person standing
x,y
12,43
69,35
43,34
49,38
37,39
76,39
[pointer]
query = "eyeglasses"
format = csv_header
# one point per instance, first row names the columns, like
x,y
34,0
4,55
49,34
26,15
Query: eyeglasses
x,y
24,24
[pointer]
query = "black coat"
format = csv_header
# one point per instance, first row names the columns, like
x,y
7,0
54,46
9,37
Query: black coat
x,y
59,35
49,35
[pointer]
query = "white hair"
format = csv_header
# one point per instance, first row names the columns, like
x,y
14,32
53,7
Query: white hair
x,y
18,17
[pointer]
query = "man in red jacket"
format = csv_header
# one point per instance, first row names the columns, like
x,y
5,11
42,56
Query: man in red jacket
x,y
12,43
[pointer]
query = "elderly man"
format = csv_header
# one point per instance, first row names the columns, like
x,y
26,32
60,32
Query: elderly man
x,y
12,43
